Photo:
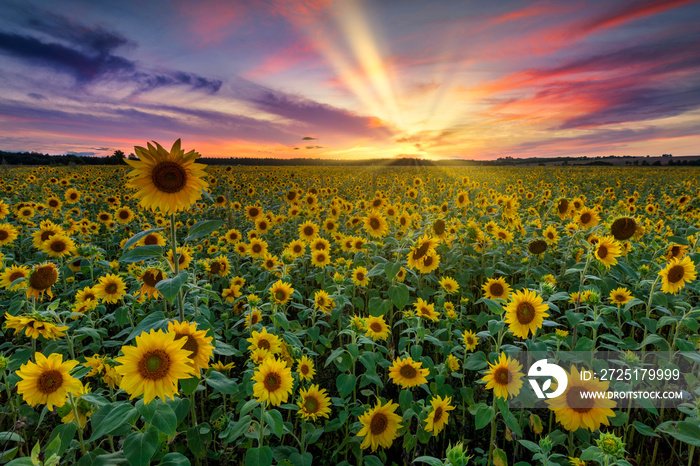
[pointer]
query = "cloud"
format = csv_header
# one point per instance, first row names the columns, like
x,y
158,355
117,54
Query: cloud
x,y
308,138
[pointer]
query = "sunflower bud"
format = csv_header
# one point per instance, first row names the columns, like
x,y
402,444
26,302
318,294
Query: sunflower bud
x,y
630,358
4,361
546,444
610,444
455,455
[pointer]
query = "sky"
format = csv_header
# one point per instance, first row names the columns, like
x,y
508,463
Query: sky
x,y
352,79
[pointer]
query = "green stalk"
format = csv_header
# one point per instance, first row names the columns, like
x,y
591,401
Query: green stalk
x,y
176,266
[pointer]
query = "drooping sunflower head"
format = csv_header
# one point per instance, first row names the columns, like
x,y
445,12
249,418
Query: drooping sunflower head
x,y
537,246
41,279
623,228
197,343
167,180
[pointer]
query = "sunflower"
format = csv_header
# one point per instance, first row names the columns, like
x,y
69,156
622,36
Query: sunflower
x,y
124,215
537,246
564,208
48,381
184,257
84,409
676,274
233,236
359,276
8,233
281,292
377,328
197,343
320,258
273,381
252,318
470,340
58,246
220,266
151,239
425,310
525,313
452,363
376,225
54,203
430,262
379,426
34,326
449,284
551,237
150,278
296,248
439,415
623,228
607,251
496,288
169,181
71,195
253,212
575,410
504,377
221,367
313,403
257,248
308,230
305,368
41,279
323,301
110,288
10,274
587,218
46,230
676,251
154,366
407,373
503,235
620,296
266,341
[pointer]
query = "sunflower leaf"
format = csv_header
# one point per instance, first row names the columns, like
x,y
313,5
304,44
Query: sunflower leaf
x,y
202,229
221,383
142,253
138,236
170,286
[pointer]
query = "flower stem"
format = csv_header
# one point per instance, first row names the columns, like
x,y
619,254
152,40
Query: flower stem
x,y
176,266
74,405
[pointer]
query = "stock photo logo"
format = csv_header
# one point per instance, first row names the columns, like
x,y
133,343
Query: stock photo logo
x,y
542,368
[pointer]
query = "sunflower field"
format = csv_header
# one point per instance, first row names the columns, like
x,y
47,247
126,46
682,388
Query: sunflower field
x,y
167,312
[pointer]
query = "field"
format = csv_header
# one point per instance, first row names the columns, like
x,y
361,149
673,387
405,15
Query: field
x,y
338,316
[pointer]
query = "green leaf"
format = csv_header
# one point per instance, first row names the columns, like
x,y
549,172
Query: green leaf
x,y
138,236
65,433
273,418
154,320
532,446
142,253
189,385
10,436
405,399
197,436
484,415
391,269
298,459
261,456
220,382
399,295
170,286
656,340
109,418
160,415
371,460
591,454
644,429
235,430
345,384
685,431
175,459
508,417
140,447
428,460
202,229
476,361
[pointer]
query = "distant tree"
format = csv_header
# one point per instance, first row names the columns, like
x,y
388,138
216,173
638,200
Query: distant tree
x,y
132,156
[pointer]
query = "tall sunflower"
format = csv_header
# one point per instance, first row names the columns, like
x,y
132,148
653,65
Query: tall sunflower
x,y
281,292
620,296
379,426
470,340
58,246
574,410
48,381
496,288
12,273
359,276
376,225
273,381
607,251
305,368
169,181
266,341
41,279
8,233
504,377
425,310
407,373
439,415
676,274
525,313
313,403
196,342
377,328
154,366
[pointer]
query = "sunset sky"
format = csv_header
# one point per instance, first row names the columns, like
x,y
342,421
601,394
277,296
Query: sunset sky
x,y
352,79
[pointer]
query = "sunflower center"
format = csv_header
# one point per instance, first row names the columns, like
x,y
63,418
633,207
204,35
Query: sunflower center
x,y
111,288
576,401
4,234
43,278
585,218
438,414
49,381
215,268
623,228
378,424
280,295
152,278
53,203
309,231
169,177
58,246
407,371
421,251
321,301
123,214
676,274
310,404
619,297
154,365
496,289
150,239
563,206
273,381
502,376
602,251
376,327
428,261
256,248
254,319
191,344
304,369
321,258
360,276
374,223
439,227
525,313
46,235
538,246
675,250
470,341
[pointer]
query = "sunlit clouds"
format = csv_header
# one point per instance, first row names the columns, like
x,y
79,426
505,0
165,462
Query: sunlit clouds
x,y
365,78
